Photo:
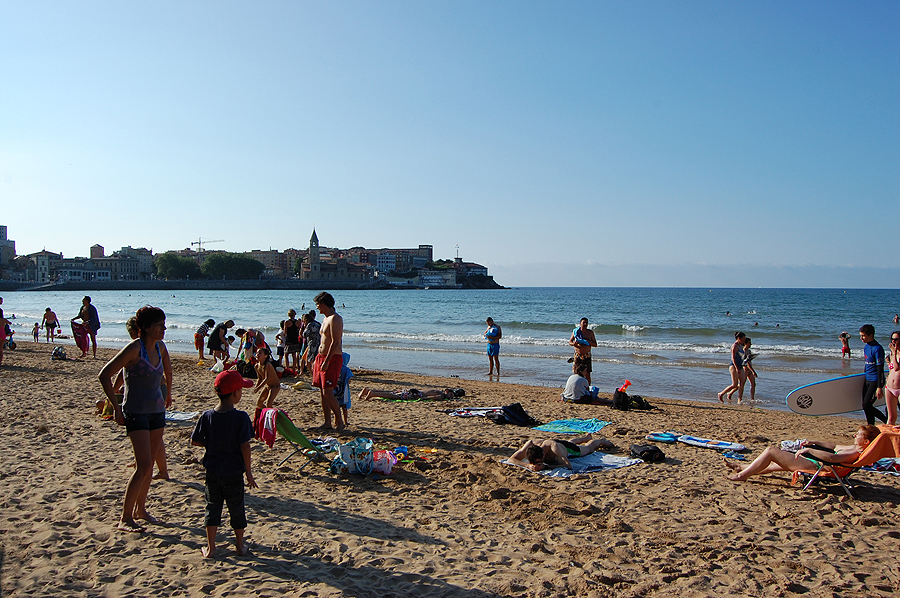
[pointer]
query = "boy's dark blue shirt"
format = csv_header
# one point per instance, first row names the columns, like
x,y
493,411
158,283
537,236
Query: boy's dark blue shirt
x,y
223,433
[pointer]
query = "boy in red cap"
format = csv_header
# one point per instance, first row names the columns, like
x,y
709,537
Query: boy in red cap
x,y
225,433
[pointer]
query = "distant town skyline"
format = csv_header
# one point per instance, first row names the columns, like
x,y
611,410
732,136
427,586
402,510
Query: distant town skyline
x,y
365,267
590,144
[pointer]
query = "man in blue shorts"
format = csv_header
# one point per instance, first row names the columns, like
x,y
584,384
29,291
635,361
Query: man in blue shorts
x,y
492,335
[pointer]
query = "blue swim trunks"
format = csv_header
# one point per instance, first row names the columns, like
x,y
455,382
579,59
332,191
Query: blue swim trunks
x,y
493,349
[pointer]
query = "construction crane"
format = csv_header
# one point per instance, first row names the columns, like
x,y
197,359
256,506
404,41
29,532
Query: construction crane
x,y
199,242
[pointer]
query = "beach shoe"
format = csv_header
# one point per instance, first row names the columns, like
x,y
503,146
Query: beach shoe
x,y
734,455
668,437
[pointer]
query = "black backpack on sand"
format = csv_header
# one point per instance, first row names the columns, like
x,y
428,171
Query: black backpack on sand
x,y
639,402
621,400
513,414
650,453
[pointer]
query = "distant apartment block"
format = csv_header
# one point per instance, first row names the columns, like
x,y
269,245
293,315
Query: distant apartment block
x,y
43,262
437,278
464,269
386,262
144,259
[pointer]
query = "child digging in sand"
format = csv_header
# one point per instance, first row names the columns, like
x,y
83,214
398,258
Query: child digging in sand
x,y
225,432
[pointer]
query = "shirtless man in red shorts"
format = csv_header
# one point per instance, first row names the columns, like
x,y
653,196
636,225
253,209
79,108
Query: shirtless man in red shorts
x,y
327,367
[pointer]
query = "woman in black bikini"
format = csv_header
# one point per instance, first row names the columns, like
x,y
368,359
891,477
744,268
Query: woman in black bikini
x,y
50,323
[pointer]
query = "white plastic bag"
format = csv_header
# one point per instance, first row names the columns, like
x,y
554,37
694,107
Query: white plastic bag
x,y
218,367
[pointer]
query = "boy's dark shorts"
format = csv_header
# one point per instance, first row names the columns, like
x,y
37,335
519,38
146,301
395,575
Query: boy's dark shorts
x,y
144,421
225,489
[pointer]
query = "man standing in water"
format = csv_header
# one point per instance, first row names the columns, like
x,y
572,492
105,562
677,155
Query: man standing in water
x,y
582,340
492,335
845,344
327,367
91,320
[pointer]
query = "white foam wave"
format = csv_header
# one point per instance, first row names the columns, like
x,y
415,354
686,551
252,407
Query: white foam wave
x,y
376,337
633,328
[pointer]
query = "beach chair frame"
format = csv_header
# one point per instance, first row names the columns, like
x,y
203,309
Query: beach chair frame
x,y
886,444
300,443
830,467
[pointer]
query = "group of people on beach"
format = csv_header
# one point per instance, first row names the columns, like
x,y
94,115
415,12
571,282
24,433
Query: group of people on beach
x,y
137,384
88,326
811,453
741,370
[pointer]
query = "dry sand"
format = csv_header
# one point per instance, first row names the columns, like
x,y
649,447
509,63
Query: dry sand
x,y
458,524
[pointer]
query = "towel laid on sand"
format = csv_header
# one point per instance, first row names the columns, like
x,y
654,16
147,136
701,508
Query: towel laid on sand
x,y
181,416
573,426
588,464
472,411
888,465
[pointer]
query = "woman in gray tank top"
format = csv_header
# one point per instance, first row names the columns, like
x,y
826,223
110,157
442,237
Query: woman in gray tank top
x,y
146,362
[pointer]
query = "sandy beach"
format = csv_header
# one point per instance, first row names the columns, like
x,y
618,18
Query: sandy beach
x,y
456,522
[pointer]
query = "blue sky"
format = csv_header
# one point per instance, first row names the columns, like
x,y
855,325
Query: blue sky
x,y
584,144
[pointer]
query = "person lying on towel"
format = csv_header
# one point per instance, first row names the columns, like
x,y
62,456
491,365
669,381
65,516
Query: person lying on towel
x,y
541,454
774,459
407,395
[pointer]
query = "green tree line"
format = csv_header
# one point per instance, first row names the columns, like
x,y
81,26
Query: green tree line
x,y
230,266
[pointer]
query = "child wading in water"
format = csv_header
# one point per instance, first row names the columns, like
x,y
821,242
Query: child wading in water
x,y
225,433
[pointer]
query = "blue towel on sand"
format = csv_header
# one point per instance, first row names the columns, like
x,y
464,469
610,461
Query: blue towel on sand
x,y
587,464
573,426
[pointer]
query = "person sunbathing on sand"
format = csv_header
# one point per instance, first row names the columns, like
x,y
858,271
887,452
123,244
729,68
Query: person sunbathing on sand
x,y
407,395
774,459
539,454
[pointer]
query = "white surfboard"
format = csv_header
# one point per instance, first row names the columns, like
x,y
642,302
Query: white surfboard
x,y
713,444
829,397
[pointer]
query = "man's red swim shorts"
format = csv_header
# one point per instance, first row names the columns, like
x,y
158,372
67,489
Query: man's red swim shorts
x,y
329,378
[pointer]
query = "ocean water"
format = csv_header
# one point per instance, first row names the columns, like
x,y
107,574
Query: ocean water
x,y
669,342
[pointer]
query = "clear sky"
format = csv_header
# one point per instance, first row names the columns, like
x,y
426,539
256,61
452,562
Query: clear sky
x,y
558,143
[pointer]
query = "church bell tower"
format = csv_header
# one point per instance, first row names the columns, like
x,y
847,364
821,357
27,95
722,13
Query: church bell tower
x,y
314,270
